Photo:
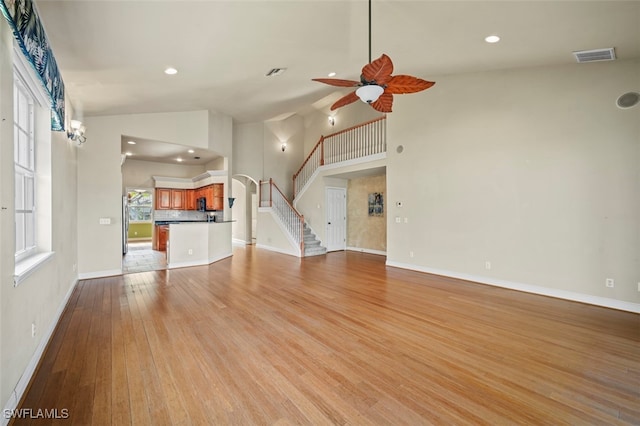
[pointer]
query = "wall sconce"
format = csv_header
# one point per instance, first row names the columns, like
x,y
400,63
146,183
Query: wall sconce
x,y
77,132
332,120
283,146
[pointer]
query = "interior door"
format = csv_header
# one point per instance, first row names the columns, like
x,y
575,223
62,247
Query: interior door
x,y
336,219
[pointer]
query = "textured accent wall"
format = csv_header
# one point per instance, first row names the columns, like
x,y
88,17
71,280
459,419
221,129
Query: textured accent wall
x,y
364,231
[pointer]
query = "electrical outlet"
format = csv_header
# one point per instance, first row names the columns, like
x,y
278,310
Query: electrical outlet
x,y
638,286
397,219
75,267
406,220
487,265
190,252
410,254
33,329
609,282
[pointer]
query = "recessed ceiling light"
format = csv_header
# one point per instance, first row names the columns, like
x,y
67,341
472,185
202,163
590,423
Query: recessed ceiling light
x,y
191,151
332,74
492,39
129,154
171,71
131,143
179,160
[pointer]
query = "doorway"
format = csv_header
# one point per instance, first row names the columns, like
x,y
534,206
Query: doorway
x,y
336,219
138,254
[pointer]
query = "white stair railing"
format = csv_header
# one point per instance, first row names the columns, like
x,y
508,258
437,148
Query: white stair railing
x,y
293,221
359,141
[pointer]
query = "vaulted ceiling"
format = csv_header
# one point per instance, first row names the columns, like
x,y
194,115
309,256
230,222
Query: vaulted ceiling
x,y
112,54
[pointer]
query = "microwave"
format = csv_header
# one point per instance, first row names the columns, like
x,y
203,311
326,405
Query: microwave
x,y
201,204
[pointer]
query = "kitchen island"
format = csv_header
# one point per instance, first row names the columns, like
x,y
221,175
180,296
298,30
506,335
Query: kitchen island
x,y
198,243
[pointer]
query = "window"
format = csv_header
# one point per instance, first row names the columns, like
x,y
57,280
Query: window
x,y
25,170
140,205
32,169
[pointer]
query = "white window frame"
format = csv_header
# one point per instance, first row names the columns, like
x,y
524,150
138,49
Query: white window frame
x,y
28,261
24,169
150,205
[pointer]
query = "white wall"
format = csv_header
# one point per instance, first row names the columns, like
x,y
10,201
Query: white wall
x,y
100,178
140,174
40,298
258,153
271,235
248,150
239,211
312,202
534,170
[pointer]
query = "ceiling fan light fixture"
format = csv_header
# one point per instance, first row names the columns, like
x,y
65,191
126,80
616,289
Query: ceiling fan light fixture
x,y
369,93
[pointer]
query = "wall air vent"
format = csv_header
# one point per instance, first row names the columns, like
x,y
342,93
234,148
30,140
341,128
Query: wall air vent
x,y
596,55
275,71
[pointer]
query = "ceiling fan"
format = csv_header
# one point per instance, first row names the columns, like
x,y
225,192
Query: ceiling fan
x,y
377,86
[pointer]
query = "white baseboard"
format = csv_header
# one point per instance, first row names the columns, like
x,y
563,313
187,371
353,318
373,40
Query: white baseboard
x,y
366,250
22,384
238,242
527,288
279,250
99,274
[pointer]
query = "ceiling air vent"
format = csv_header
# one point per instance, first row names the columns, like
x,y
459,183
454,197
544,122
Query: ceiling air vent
x,y
275,71
595,55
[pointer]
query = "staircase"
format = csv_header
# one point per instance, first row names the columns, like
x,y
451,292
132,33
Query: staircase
x,y
366,140
290,219
312,245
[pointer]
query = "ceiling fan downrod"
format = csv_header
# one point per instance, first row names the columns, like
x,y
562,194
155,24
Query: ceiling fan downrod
x,y
369,31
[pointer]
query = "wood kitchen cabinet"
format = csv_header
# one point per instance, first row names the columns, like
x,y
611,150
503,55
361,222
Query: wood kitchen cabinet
x,y
167,199
163,199
214,195
190,199
177,199
218,196
162,236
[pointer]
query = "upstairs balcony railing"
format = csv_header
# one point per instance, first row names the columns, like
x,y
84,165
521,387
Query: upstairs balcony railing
x,y
293,221
358,141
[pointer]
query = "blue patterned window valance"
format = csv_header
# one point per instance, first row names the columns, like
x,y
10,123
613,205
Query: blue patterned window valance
x,y
28,31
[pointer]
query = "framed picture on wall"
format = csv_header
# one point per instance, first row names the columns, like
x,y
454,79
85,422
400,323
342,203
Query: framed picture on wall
x,y
376,204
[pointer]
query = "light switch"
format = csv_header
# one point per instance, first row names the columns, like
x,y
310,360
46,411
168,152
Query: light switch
x,y
397,219
105,221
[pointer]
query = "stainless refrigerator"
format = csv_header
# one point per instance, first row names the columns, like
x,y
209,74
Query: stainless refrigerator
x,y
125,224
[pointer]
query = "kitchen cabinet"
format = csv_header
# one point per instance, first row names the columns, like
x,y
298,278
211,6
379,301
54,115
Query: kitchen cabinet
x,y
190,199
162,236
168,199
163,199
218,196
187,199
177,199
214,195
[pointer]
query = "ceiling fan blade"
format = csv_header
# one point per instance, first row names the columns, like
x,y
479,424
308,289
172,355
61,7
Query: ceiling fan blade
x,y
379,70
400,84
384,102
345,100
337,82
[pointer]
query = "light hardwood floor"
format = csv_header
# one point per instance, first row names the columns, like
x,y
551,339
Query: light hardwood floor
x,y
264,338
